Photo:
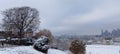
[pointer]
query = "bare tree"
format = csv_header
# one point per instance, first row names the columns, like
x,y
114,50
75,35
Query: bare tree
x,y
19,19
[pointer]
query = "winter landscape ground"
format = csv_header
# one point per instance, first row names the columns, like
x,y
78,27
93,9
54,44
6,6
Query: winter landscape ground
x,y
103,49
90,49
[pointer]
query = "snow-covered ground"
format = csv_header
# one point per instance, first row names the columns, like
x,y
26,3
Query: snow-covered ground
x,y
90,49
102,49
19,50
27,50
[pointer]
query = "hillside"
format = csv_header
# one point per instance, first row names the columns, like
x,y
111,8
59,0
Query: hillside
x,y
90,49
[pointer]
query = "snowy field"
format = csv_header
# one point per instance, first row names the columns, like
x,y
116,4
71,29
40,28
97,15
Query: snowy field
x,y
27,50
103,49
91,49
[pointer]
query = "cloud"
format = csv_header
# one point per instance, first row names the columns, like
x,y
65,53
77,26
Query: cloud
x,y
103,16
97,14
71,16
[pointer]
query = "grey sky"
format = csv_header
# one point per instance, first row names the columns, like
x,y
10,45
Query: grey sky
x,y
72,16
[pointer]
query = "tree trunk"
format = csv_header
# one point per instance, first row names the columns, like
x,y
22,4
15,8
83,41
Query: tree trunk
x,y
20,36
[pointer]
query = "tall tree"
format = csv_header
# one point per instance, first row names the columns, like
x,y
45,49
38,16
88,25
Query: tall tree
x,y
19,19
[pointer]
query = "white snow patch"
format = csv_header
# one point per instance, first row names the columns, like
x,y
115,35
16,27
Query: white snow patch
x,y
102,49
27,50
54,51
19,50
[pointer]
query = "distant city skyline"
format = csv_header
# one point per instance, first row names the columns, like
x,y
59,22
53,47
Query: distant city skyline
x,y
84,17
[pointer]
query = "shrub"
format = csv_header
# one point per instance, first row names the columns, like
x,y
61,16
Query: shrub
x,y
45,32
42,44
77,47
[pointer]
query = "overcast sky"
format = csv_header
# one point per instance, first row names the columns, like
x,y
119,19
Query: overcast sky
x,y
72,16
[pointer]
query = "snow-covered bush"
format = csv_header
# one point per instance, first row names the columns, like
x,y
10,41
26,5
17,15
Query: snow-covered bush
x,y
42,44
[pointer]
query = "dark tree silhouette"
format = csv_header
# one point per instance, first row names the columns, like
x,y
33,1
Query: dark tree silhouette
x,y
19,19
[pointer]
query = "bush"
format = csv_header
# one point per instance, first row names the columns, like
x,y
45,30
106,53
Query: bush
x,y
45,32
42,44
77,47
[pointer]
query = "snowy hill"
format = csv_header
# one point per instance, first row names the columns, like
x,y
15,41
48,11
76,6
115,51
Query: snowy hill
x,y
27,50
19,50
90,49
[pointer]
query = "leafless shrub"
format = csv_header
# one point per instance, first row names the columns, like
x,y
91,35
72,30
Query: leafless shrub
x,y
77,47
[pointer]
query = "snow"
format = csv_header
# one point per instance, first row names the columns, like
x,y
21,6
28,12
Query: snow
x,y
42,38
102,49
2,39
27,50
19,50
42,44
54,51
90,49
